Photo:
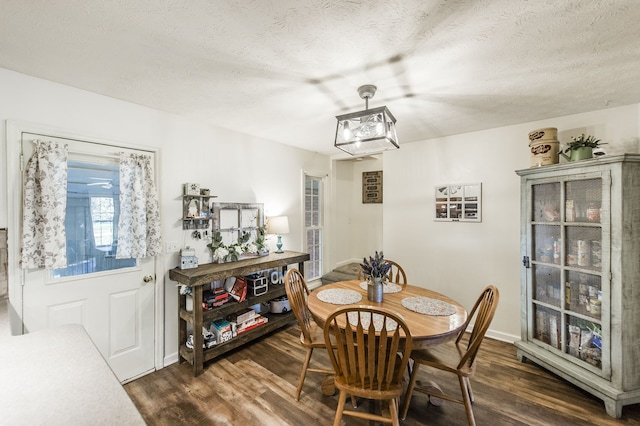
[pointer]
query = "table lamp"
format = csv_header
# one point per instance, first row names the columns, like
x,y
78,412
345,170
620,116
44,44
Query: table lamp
x,y
278,225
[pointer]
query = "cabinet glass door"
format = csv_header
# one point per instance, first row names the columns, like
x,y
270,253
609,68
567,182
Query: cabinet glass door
x,y
566,268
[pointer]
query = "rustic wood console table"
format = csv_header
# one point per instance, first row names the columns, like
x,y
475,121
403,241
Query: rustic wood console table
x,y
199,279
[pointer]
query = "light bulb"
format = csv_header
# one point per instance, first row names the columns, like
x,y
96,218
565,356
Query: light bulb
x,y
346,133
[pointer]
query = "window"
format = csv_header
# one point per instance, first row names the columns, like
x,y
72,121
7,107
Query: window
x,y
93,210
102,213
313,222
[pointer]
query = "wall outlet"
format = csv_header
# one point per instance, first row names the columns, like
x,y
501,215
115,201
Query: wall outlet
x,y
172,247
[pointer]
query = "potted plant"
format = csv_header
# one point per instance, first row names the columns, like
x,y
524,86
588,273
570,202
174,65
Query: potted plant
x,y
581,147
375,269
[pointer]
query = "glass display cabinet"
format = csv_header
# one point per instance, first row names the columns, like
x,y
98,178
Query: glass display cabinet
x,y
580,242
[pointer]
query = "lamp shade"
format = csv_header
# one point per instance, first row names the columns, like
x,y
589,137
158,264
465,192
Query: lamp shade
x,y
367,132
278,225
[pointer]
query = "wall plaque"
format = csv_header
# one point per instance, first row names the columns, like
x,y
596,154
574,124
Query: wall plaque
x,y
372,187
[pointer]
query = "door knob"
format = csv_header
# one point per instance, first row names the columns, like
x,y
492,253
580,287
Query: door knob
x,y
147,278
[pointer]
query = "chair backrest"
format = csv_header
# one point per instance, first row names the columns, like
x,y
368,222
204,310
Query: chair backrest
x,y
396,274
371,347
297,293
482,311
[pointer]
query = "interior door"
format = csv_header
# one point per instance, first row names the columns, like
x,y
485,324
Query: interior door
x,y
112,298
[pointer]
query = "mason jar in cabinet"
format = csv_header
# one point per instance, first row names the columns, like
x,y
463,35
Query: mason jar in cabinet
x,y
580,284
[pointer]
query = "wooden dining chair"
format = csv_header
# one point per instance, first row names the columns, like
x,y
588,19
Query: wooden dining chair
x,y
396,274
370,352
457,357
311,335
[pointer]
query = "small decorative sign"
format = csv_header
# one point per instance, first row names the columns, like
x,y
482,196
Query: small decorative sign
x,y
372,187
191,189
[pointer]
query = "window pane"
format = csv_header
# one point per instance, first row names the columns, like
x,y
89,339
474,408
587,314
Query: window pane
x,y
313,226
102,213
93,210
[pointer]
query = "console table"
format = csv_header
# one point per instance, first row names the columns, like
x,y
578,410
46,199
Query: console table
x,y
202,276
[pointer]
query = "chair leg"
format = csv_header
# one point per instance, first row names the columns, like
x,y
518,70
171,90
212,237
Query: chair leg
x,y
341,400
410,366
393,410
468,379
467,400
412,384
303,373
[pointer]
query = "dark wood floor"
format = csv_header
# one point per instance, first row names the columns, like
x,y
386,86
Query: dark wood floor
x,y
255,386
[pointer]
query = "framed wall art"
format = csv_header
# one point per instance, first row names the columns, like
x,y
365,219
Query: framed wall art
x,y
372,187
458,202
232,219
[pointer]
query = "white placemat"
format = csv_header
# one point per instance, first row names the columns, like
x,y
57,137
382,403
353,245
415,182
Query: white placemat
x,y
366,321
428,306
339,296
386,287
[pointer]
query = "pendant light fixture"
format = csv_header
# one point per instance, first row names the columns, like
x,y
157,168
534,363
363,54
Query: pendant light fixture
x,y
367,132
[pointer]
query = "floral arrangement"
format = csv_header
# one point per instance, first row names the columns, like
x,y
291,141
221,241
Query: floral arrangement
x,y
582,141
232,252
376,266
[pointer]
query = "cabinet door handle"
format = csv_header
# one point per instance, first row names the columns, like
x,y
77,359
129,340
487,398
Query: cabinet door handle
x,y
525,262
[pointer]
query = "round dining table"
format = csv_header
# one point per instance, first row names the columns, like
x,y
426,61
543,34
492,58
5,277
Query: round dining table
x,y
432,318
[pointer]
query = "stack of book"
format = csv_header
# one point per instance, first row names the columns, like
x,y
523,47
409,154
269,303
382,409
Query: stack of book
x,y
248,320
213,299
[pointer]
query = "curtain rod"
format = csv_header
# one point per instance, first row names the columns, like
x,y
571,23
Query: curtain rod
x,y
93,154
85,141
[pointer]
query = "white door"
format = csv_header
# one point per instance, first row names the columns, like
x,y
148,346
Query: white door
x,y
113,299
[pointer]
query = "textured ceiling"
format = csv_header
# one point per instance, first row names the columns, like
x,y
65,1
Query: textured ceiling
x,y
282,69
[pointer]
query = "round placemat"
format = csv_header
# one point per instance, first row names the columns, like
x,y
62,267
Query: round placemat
x,y
428,306
366,321
339,296
386,287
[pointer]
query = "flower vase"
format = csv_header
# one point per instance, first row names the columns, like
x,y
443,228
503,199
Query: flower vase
x,y
375,289
582,153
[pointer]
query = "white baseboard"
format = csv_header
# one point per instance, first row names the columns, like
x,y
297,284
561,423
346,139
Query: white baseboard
x,y
171,359
504,337
346,262
314,284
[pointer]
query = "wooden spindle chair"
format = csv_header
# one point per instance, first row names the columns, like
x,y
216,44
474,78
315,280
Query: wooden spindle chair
x,y
396,274
457,358
311,335
370,352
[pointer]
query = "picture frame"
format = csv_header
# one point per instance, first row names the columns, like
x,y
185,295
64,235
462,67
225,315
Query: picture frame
x,y
458,202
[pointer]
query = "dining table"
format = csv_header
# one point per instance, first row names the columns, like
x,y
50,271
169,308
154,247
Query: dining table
x,y
432,318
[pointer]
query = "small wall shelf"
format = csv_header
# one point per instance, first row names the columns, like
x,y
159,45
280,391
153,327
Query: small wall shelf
x,y
196,211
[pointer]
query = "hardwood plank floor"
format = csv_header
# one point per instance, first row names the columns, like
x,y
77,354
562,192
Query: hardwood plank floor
x,y
255,386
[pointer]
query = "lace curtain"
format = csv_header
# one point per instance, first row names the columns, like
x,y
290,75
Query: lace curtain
x,y
139,224
44,242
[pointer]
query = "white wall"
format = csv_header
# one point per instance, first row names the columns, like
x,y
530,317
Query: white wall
x,y
360,224
236,167
460,259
